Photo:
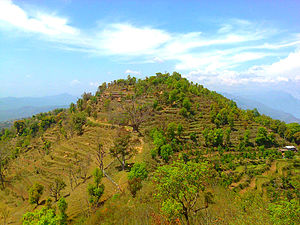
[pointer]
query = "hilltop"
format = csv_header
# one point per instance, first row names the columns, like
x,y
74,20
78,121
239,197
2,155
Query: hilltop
x,y
170,151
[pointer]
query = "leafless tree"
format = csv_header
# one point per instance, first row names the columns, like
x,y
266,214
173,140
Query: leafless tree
x,y
136,113
56,187
121,148
84,166
100,156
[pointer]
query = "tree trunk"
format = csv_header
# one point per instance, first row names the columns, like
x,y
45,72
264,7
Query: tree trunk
x,y
1,178
186,216
123,162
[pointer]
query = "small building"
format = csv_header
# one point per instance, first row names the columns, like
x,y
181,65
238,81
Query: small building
x,y
288,148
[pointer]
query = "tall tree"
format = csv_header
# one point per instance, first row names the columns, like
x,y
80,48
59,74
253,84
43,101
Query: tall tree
x,y
180,186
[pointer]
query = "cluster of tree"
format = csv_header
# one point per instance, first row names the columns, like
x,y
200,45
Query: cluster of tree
x,y
47,215
265,139
167,141
213,137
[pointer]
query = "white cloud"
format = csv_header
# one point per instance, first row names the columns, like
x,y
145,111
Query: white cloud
x,y
284,70
74,82
38,23
127,39
132,72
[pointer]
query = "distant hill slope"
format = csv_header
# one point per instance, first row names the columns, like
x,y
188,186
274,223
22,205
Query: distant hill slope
x,y
277,100
14,108
274,112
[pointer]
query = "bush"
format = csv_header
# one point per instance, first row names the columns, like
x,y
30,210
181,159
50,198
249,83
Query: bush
x,y
138,170
166,151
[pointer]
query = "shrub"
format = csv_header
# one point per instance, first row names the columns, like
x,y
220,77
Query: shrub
x,y
138,170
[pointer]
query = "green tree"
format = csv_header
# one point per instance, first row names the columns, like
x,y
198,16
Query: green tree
x,y
35,193
166,151
297,138
187,104
179,186
78,121
246,138
62,206
96,189
227,137
72,107
137,173
20,126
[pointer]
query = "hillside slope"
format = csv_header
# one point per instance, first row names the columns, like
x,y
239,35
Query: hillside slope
x,y
165,119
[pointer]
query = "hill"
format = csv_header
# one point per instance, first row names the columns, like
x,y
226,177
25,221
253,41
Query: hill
x,y
170,152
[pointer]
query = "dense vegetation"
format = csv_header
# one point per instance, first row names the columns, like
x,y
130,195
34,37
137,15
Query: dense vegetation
x,y
161,150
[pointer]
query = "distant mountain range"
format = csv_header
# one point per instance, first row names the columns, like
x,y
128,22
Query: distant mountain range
x,y
15,108
278,105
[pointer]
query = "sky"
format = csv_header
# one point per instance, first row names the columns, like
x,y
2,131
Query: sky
x,y
68,46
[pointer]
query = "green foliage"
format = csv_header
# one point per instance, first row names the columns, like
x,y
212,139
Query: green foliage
x,y
139,170
96,189
20,126
46,122
45,216
213,137
78,121
35,193
227,137
134,185
166,151
184,112
72,107
193,137
285,212
178,186
262,138
62,206
246,138
187,104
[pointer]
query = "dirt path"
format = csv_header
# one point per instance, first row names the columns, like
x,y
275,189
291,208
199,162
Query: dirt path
x,y
250,187
271,170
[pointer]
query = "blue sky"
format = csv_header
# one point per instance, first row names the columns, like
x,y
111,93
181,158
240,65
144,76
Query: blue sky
x,y
58,46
